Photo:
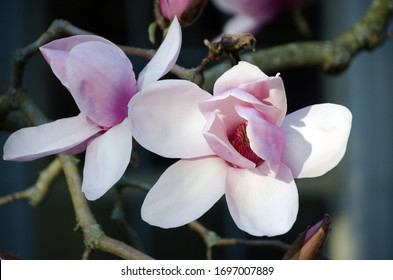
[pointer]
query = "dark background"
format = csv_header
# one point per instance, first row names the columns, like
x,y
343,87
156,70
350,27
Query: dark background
x,y
360,214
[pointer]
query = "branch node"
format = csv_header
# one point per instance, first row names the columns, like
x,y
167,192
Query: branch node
x,y
92,235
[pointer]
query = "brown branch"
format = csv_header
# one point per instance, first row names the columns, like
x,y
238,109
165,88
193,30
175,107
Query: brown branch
x,y
118,215
213,240
94,237
38,192
332,56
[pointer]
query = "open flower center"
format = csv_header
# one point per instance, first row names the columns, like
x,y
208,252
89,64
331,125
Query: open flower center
x,y
241,143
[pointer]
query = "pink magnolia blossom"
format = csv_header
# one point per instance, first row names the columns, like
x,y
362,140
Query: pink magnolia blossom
x,y
238,142
101,80
251,15
171,8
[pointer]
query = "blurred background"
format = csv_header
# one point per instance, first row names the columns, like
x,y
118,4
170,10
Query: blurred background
x,y
358,194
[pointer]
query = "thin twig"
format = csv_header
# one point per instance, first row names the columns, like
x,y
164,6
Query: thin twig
x,y
213,240
38,192
118,215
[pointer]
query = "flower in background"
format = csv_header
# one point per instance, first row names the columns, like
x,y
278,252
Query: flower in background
x,y
101,80
251,15
171,8
238,142
187,11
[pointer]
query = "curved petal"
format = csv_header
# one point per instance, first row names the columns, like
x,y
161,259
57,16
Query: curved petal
x,y
270,91
266,139
227,101
262,205
107,157
184,192
239,74
101,80
166,120
57,52
51,138
316,139
216,135
165,57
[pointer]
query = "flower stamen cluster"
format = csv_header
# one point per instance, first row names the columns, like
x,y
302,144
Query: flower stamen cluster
x,y
241,143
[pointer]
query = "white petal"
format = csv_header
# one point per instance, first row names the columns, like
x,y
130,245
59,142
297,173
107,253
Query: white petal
x,y
166,120
107,157
185,191
165,57
242,73
262,205
51,138
316,139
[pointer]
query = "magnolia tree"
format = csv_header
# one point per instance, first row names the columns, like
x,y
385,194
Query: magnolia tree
x,y
227,126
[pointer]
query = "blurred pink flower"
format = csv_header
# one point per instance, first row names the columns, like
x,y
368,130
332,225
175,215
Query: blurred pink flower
x,y
251,15
171,8
238,142
101,80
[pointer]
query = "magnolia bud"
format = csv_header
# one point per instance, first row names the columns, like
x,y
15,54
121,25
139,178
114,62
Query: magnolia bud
x,y
309,244
187,11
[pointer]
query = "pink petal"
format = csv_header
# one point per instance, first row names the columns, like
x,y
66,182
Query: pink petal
x,y
239,74
166,120
185,191
266,139
107,157
165,57
316,139
262,205
101,80
172,8
57,52
215,133
47,139
227,101
270,91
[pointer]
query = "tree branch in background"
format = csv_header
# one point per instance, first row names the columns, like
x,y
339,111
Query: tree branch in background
x,y
213,240
38,192
332,56
94,237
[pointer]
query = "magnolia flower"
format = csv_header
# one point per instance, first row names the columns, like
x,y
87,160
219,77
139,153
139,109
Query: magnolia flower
x,y
101,80
251,15
238,142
